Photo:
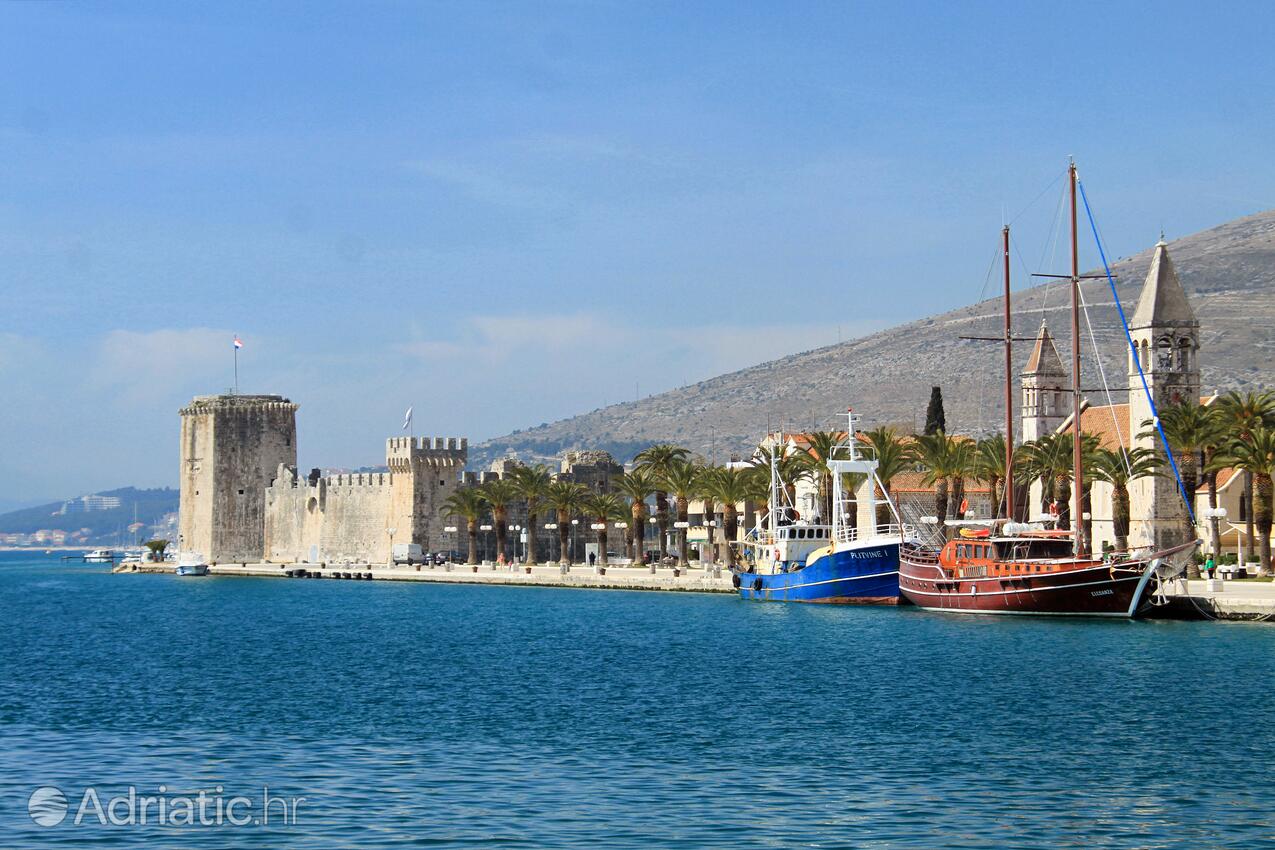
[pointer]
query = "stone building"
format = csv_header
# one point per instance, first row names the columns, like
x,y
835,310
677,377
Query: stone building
x,y
242,499
231,450
1166,336
357,517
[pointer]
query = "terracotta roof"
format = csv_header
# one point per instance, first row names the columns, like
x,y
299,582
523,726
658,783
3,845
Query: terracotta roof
x,y
914,482
1101,422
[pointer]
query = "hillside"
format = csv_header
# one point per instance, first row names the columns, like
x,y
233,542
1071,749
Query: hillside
x,y
149,507
1228,271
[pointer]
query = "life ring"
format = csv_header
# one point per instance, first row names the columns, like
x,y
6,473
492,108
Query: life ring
x,y
757,584
735,580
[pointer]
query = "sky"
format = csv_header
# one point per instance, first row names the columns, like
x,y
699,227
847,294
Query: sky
x,y
507,213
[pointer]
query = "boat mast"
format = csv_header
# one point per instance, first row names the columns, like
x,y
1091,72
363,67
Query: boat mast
x,y
1009,391
1078,474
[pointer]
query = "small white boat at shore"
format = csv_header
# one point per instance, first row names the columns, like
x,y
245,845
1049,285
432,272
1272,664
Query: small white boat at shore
x,y
99,556
191,564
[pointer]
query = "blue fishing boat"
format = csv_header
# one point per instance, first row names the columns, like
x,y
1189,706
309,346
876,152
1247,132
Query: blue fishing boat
x,y
855,560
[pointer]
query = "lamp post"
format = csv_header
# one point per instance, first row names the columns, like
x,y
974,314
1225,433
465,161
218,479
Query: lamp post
x,y
451,530
553,526
517,530
390,532
486,539
575,523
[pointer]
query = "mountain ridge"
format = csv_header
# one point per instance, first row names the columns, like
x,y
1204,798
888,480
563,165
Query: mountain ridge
x,y
887,375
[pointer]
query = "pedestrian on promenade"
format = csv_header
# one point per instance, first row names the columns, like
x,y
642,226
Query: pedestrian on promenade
x,y
1209,567
592,558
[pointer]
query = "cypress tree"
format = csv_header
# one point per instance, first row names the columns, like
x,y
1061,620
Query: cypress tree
x,y
935,420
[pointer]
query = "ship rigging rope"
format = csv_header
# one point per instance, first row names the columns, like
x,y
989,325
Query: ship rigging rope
x,y
1133,351
1106,388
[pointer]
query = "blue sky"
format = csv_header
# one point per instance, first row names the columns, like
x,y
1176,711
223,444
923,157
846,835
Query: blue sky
x,y
507,213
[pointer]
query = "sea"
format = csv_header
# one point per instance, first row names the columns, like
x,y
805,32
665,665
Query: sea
x,y
152,710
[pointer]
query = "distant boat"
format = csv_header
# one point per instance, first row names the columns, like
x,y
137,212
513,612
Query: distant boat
x,y
100,556
191,564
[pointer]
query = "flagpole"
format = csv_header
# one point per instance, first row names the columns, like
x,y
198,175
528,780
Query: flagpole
x,y
236,348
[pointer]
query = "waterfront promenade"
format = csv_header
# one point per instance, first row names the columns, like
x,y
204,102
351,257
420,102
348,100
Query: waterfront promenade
x,y
692,580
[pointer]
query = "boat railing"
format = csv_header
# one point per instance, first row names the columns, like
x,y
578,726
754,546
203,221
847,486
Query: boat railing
x,y
846,534
788,534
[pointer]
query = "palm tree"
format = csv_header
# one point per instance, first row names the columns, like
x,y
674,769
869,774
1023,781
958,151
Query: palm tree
x,y
729,486
1192,431
789,469
1049,459
500,494
565,498
1118,469
467,502
1243,414
681,480
894,455
638,486
604,508
989,463
532,483
656,460
822,444
1256,455
935,453
964,460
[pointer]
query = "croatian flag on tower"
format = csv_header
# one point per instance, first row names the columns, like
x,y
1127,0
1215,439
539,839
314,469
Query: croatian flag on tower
x,y
238,342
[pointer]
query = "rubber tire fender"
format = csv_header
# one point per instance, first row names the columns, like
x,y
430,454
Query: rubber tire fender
x,y
735,580
757,584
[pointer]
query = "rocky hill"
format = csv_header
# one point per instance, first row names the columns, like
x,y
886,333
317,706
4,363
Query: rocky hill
x,y
1228,271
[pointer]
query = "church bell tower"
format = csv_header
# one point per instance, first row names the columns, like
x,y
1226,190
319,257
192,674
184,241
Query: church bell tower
x,y
1166,337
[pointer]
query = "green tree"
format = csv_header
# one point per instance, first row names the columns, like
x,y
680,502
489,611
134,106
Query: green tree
x,y
532,484
935,453
156,548
729,486
638,486
821,446
656,460
935,419
499,495
604,508
1049,460
894,455
1257,456
565,497
1112,467
1195,433
989,463
1244,413
468,503
682,481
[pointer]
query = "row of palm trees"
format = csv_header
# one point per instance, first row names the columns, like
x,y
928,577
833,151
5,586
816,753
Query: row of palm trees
x,y
1237,431
663,471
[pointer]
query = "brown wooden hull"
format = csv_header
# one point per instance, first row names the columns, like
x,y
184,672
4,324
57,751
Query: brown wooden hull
x,y
1097,591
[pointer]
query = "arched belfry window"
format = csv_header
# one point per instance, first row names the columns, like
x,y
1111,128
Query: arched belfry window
x,y
1184,354
1145,351
1164,353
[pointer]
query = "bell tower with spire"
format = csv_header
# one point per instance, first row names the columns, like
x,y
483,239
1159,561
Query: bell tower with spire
x,y
1045,394
1166,338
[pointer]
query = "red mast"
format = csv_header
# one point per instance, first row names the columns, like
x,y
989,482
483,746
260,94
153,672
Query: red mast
x,y
1009,389
1078,473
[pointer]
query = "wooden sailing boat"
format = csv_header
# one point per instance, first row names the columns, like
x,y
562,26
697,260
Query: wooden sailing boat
x,y
1023,568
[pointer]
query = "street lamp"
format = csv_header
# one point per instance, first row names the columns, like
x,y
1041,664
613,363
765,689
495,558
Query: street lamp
x,y
553,526
574,548
486,540
390,532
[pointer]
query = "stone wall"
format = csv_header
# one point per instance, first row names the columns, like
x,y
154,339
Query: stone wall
x,y
231,450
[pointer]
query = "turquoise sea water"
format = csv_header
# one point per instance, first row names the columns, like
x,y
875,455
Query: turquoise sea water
x,y
435,716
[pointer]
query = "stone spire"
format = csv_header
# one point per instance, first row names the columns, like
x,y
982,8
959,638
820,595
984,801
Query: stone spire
x,y
1043,408
1163,302
1044,359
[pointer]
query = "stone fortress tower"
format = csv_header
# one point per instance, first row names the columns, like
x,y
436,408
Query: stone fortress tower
x,y
1167,337
231,449
424,473
1046,389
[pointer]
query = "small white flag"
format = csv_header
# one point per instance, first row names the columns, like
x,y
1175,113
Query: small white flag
x,y
407,419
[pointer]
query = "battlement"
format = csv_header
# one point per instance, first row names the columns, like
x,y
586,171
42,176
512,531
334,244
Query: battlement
x,y
230,403
403,453
358,479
